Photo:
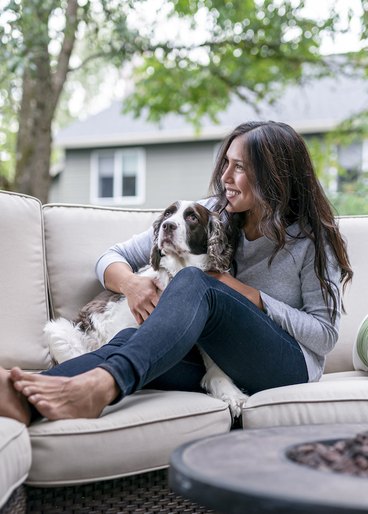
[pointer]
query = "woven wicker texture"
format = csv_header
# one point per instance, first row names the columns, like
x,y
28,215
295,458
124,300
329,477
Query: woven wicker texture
x,y
139,494
16,503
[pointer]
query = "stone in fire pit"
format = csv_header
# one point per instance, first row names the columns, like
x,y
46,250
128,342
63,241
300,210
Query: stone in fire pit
x,y
342,456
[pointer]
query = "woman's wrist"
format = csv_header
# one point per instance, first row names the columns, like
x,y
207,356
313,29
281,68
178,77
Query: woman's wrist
x,y
118,276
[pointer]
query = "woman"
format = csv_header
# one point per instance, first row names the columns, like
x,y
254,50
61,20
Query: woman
x,y
270,323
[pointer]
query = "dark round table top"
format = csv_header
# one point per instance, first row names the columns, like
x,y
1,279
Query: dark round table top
x,y
247,471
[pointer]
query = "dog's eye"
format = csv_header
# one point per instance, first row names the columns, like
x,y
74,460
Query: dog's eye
x,y
167,213
191,217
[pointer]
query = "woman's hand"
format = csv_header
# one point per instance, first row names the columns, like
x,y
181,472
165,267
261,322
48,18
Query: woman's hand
x,y
142,293
249,292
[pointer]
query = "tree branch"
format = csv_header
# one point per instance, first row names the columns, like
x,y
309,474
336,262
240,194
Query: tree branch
x,y
62,68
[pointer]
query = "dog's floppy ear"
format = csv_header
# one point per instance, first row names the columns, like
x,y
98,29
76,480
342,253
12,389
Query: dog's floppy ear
x,y
219,250
155,257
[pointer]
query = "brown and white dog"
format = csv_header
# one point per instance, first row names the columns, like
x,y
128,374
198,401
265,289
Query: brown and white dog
x,y
186,234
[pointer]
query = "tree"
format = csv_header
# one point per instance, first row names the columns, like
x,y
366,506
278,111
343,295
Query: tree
x,y
7,129
39,38
248,47
251,48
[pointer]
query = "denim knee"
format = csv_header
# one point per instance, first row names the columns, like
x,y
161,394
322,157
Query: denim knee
x,y
191,279
190,274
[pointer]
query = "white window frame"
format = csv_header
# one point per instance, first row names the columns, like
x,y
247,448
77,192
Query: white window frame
x,y
117,197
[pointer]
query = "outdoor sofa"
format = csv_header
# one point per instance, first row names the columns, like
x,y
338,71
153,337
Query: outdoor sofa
x,y
117,463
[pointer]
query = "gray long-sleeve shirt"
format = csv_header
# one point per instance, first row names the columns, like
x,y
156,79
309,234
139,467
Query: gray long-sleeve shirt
x,y
289,288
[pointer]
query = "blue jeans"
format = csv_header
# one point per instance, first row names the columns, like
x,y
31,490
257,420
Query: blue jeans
x,y
196,309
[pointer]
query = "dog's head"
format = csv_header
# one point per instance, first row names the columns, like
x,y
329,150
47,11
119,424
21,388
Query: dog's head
x,y
187,229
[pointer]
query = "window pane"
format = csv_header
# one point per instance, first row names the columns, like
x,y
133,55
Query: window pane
x,y
129,186
130,164
106,187
129,175
106,175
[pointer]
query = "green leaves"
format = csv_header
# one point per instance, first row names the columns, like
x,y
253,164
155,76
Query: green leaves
x,y
245,46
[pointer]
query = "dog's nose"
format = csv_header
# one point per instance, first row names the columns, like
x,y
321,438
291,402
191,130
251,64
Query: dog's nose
x,y
169,226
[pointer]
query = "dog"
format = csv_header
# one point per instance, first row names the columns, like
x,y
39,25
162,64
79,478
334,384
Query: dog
x,y
185,234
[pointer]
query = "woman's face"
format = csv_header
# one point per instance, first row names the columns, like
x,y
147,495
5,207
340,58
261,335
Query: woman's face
x,y
235,178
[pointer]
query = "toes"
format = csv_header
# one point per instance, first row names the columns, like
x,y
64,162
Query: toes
x,y
16,374
35,398
22,387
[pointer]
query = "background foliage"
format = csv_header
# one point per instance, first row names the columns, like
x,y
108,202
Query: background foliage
x,y
55,50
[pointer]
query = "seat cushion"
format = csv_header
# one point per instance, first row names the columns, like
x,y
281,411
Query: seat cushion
x,y
15,457
138,434
23,299
337,398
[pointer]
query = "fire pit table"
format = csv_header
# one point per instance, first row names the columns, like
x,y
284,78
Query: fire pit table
x,y
249,472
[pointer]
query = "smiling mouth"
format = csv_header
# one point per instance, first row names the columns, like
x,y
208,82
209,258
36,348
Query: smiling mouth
x,y
231,193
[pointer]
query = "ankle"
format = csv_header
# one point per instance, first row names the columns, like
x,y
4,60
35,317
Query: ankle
x,y
104,383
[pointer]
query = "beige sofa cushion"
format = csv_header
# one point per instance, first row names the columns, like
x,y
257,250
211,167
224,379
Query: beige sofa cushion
x,y
23,299
75,237
337,398
136,435
15,457
355,231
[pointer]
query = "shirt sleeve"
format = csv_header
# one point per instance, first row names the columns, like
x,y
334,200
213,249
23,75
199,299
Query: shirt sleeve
x,y
135,252
311,325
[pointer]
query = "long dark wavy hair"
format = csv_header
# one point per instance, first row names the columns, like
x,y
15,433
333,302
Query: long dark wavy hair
x,y
286,190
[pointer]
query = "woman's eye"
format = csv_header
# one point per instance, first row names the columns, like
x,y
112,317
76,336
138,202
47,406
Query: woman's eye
x,y
239,168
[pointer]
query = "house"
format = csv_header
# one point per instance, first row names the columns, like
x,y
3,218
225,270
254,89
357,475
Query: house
x,y
116,160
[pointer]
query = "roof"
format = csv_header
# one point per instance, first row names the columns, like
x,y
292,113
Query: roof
x,y
315,107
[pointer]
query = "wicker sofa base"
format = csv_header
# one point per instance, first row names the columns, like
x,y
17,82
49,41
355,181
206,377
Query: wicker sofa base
x,y
143,494
16,503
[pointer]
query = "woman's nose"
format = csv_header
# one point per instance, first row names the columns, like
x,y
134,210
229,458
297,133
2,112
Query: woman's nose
x,y
227,174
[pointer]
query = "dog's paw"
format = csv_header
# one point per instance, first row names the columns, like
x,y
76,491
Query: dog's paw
x,y
220,386
235,401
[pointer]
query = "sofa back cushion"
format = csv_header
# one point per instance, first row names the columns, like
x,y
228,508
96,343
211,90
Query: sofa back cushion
x,y
355,232
75,237
23,299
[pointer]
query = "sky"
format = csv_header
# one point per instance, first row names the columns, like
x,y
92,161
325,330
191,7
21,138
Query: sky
x,y
345,42
318,9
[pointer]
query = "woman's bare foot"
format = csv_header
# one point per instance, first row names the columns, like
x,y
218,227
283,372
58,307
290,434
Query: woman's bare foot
x,y
12,403
82,396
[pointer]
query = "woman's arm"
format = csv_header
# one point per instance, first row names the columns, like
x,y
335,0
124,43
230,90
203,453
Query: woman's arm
x,y
135,252
311,325
249,292
116,271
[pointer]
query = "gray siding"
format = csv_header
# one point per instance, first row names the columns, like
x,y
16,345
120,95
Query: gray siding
x,y
178,171
73,184
173,171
